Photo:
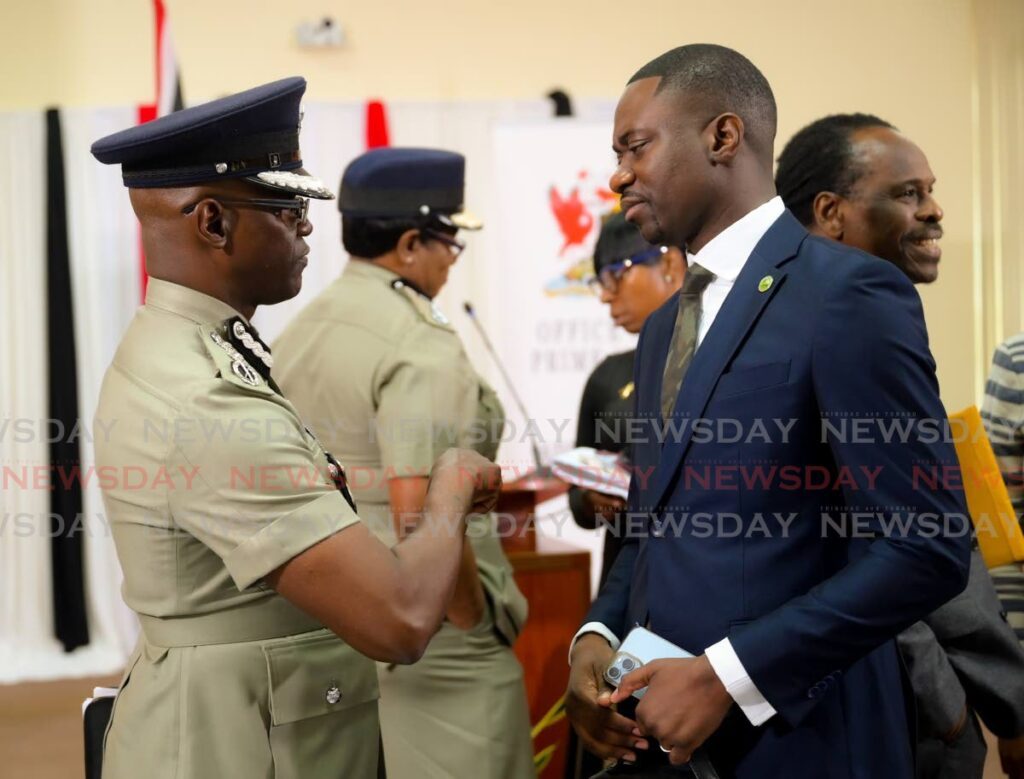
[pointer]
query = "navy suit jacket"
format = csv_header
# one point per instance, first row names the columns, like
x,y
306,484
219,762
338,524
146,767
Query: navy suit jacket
x,y
810,549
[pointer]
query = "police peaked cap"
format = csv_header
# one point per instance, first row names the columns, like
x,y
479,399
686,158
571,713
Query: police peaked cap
x,y
252,135
406,182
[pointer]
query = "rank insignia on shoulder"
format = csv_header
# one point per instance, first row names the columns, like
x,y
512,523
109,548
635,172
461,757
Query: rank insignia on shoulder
x,y
248,344
438,315
239,366
252,342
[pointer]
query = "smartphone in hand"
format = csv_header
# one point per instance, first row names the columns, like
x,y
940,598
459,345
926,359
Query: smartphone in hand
x,y
640,647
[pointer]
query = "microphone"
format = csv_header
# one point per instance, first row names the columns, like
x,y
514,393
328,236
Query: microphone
x,y
541,470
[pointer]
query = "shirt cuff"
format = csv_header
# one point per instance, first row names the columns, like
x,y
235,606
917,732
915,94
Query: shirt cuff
x,y
594,627
726,664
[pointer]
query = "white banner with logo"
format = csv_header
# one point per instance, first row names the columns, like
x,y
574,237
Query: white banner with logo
x,y
550,330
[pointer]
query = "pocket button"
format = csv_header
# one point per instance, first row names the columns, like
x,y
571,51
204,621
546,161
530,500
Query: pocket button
x,y
333,694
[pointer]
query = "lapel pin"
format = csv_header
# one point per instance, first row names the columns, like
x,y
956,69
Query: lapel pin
x,y
765,284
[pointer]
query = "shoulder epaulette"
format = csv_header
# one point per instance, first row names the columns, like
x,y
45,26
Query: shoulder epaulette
x,y
234,366
424,306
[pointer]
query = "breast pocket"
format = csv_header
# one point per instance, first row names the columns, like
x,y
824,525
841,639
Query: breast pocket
x,y
752,378
323,707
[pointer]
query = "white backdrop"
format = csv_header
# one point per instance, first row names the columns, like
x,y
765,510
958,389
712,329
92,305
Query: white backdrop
x,y
549,342
552,183
26,614
103,239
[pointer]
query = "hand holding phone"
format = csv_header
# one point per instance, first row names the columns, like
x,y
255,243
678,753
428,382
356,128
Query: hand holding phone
x,y
640,647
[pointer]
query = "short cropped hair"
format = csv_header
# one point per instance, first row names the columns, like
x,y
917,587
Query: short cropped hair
x,y
819,158
370,238
723,78
617,241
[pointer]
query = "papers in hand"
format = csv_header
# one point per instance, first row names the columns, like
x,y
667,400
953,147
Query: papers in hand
x,y
590,469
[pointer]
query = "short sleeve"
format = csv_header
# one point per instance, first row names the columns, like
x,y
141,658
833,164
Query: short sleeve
x,y
257,490
427,404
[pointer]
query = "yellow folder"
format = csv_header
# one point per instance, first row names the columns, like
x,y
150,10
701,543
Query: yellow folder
x,y
995,522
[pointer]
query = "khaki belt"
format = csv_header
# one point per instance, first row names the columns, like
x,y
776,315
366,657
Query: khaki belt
x,y
257,620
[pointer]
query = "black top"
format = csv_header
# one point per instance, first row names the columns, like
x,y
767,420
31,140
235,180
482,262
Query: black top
x,y
607,403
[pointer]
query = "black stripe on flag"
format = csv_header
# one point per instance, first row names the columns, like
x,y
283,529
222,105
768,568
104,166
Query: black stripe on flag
x,y
70,622
178,102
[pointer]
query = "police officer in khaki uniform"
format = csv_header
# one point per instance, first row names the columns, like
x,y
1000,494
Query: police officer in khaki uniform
x,y
380,375
261,595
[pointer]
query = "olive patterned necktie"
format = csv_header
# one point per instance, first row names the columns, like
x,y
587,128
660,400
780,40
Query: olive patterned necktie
x,y
684,336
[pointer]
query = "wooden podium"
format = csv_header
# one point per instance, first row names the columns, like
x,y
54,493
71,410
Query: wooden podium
x,y
555,578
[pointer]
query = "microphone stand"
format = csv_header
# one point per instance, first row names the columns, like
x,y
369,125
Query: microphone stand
x,y
541,471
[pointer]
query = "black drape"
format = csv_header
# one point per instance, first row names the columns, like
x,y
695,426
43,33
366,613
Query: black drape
x,y
70,623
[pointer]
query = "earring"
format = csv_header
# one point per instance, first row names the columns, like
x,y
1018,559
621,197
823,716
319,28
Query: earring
x,y
408,259
668,278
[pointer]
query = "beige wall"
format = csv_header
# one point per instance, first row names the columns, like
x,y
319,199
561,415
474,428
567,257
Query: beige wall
x,y
911,61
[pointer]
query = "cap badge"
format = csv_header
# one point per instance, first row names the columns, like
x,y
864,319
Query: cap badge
x,y
221,167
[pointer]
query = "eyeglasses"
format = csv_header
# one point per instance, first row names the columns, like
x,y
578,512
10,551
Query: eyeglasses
x,y
299,206
611,274
455,247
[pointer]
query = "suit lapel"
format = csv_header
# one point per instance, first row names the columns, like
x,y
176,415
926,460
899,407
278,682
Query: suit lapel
x,y
738,314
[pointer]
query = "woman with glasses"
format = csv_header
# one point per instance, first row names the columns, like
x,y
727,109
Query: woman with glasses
x,y
378,372
633,279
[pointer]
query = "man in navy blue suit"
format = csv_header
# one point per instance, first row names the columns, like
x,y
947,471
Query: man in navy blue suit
x,y
794,501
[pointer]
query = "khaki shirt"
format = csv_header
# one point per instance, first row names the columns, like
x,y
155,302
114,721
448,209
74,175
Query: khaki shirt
x,y
383,379
210,482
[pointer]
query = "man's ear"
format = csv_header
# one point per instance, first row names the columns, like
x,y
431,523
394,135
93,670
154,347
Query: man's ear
x,y
725,136
215,224
407,245
827,210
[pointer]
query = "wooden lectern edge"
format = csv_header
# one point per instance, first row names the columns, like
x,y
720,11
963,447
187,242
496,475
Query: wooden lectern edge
x,y
544,487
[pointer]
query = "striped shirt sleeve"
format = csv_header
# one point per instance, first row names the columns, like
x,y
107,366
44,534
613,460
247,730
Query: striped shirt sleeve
x,y
1002,412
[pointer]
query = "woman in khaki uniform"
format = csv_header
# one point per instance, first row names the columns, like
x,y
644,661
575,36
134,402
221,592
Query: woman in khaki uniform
x,y
383,378
261,596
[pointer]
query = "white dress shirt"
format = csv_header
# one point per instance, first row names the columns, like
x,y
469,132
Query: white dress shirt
x,y
724,255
